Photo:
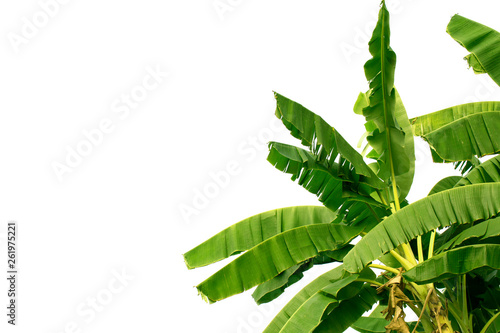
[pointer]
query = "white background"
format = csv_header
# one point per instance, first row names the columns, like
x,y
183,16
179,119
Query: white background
x,y
119,209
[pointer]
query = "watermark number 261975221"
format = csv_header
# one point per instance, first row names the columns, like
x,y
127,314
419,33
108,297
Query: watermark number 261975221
x,y
11,272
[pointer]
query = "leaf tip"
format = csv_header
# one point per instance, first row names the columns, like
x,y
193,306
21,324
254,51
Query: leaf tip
x,y
185,256
204,296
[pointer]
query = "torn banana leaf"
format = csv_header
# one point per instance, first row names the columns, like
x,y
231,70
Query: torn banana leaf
x,y
486,172
459,205
273,256
483,43
333,185
455,262
254,230
480,232
272,289
461,132
358,213
324,141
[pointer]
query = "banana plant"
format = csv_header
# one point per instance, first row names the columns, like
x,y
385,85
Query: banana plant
x,y
437,257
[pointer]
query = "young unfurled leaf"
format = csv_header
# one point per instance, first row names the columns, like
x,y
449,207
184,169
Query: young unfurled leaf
x,y
386,136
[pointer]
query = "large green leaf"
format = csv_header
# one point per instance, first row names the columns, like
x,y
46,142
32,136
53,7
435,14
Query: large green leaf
x,y
455,262
302,296
333,185
445,184
254,230
461,132
486,172
480,232
360,213
404,180
323,140
349,311
483,43
376,325
271,289
312,312
273,256
386,135
370,325
460,205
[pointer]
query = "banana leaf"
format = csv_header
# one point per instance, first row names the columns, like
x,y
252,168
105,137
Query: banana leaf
x,y
460,205
461,132
480,232
404,180
324,141
445,184
349,311
302,296
273,256
361,214
465,166
254,230
486,172
483,43
333,185
455,262
386,135
370,325
310,314
272,289
376,325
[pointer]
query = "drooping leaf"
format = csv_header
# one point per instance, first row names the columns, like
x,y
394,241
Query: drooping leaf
x,y
358,213
483,43
482,231
271,289
273,256
324,141
461,132
254,230
445,184
311,313
460,205
455,262
302,296
486,172
348,311
337,255
386,135
333,185
449,233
